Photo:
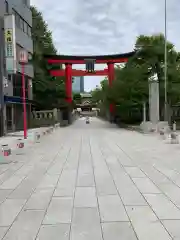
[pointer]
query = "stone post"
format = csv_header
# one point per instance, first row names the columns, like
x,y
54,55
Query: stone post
x,y
144,111
154,125
55,114
154,101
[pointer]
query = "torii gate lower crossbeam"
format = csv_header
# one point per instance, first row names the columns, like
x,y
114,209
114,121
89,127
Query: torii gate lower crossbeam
x,y
58,73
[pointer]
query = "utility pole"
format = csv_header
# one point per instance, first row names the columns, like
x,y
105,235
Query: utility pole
x,y
1,79
165,63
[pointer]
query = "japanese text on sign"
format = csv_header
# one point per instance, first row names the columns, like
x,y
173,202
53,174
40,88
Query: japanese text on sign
x,y
8,36
9,50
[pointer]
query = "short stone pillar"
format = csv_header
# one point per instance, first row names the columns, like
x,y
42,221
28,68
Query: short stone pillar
x,y
174,138
174,126
162,133
55,114
144,112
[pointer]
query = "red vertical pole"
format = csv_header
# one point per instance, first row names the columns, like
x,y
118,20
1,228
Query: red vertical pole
x,y
111,75
24,101
68,83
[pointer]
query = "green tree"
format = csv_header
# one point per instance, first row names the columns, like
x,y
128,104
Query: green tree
x,y
48,91
77,98
130,87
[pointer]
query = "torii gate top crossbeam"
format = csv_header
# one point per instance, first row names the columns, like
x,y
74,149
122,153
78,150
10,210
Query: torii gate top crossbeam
x,y
116,58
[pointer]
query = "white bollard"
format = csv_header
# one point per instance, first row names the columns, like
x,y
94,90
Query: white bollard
x,y
20,146
37,137
162,134
6,151
4,159
51,129
174,138
57,125
20,143
174,126
31,137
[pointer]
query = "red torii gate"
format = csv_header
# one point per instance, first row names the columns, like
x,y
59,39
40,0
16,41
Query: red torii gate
x,y
69,72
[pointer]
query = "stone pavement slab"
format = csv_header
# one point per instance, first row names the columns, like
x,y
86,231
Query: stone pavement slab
x,y
40,199
112,209
3,231
26,225
172,226
145,186
162,206
146,224
95,182
85,180
9,211
118,230
85,197
54,232
135,172
59,211
4,194
86,224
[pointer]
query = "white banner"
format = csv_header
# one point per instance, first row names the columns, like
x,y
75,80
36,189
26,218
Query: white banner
x,y
10,43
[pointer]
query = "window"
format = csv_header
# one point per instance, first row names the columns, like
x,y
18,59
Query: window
x,y
25,27
21,24
18,49
13,12
29,30
17,18
30,56
25,2
10,77
6,6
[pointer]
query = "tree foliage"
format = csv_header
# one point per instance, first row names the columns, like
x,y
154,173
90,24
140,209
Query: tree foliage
x,y
48,91
130,87
77,98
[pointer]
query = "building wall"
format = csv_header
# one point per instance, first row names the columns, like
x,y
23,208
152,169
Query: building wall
x,y
2,8
23,22
78,84
1,74
82,84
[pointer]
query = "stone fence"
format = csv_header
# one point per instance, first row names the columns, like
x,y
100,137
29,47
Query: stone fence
x,y
47,118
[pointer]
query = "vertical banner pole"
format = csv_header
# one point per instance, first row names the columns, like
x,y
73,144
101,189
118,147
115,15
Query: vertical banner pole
x,y
24,101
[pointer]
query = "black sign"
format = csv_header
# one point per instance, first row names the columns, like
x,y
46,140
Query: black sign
x,y
90,65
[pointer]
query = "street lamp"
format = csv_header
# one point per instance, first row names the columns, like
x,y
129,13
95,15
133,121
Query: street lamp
x,y
165,62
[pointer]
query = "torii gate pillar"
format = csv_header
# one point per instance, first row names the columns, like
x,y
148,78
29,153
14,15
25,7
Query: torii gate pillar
x,y
68,82
111,75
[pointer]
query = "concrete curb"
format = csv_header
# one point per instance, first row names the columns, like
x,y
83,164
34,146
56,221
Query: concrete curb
x,y
18,145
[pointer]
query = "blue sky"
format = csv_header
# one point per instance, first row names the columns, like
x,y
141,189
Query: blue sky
x,y
97,27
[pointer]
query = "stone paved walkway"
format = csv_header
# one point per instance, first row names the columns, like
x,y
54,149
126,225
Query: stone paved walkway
x,y
92,182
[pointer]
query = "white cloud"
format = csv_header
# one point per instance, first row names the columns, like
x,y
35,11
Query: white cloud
x,y
107,26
